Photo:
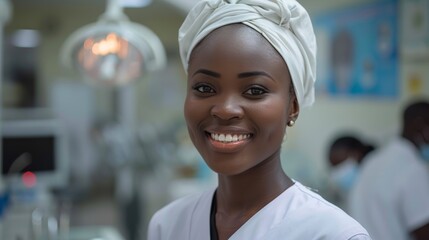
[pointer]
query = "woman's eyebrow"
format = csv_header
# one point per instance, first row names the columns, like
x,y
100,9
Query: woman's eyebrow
x,y
240,75
252,74
207,72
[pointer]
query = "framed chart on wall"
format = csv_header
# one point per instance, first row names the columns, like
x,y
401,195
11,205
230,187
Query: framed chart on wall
x,y
415,29
358,51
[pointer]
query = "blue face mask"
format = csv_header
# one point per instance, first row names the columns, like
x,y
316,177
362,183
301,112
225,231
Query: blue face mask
x,y
424,151
344,175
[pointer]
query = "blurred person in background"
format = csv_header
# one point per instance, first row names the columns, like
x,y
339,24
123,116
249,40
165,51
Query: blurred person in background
x,y
345,154
391,196
250,67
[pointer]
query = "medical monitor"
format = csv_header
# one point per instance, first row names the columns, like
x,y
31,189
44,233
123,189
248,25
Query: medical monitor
x,y
34,153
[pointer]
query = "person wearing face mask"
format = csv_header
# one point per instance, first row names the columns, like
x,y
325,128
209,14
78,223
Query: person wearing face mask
x,y
391,195
250,68
345,155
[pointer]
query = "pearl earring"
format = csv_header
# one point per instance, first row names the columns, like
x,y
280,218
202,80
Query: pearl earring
x,y
291,123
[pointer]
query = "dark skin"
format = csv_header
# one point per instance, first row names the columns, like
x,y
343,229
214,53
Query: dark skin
x,y
240,88
339,155
347,146
417,132
421,233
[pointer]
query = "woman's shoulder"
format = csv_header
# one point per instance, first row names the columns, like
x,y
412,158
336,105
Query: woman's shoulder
x,y
321,216
187,210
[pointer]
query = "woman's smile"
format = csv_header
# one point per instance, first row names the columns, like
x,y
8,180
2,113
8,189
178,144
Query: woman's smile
x,y
228,142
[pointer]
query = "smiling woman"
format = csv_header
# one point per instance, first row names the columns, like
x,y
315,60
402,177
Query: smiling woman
x,y
250,66
242,89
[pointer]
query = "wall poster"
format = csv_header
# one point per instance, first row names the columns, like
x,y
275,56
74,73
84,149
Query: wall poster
x,y
358,51
415,25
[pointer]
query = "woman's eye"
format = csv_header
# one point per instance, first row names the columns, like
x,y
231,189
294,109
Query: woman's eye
x,y
255,91
204,89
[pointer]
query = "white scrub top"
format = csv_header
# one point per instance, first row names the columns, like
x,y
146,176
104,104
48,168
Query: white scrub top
x,y
391,196
296,214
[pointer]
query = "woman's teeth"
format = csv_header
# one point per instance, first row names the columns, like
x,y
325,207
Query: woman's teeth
x,y
229,137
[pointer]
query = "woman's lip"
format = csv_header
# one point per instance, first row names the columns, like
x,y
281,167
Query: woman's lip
x,y
228,137
228,147
229,130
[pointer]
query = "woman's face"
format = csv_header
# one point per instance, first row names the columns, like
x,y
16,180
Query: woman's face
x,y
238,100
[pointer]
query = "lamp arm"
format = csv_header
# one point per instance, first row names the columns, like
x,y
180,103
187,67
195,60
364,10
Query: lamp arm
x,y
114,11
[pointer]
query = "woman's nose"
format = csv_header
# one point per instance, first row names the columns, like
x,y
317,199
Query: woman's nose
x,y
227,108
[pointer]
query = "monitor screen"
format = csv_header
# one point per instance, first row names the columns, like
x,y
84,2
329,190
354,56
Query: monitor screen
x,y
28,153
35,147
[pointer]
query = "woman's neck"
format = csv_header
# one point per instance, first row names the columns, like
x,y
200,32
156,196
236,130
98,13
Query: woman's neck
x,y
252,189
240,197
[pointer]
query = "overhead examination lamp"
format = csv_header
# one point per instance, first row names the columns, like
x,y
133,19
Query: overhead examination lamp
x,y
113,50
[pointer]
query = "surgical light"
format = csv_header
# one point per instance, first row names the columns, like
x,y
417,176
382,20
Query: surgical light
x,y
113,50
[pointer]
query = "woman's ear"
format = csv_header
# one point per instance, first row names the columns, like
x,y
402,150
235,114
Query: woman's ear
x,y
293,109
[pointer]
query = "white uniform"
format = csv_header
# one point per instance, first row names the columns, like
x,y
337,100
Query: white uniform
x,y
296,214
391,196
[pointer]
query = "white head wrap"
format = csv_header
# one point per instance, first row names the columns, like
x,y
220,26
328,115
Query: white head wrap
x,y
284,23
